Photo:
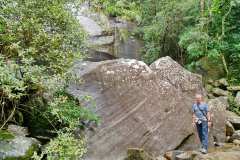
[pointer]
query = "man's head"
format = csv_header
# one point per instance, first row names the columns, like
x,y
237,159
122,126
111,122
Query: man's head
x,y
199,98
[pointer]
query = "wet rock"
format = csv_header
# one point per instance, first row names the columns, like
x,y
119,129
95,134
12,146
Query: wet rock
x,y
90,26
107,38
18,146
126,44
138,105
98,41
219,92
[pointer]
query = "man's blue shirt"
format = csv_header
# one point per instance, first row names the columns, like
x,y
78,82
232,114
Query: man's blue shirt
x,y
200,110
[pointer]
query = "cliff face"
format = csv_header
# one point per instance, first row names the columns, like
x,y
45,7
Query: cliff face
x,y
108,38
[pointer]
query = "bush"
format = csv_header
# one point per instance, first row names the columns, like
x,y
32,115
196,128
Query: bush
x,y
65,146
38,42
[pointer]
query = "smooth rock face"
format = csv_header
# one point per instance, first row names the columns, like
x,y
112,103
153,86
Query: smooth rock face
x,y
218,108
107,38
20,147
139,105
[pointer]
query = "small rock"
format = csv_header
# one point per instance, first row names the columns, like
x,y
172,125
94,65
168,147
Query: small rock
x,y
161,158
187,155
211,96
223,82
235,136
233,88
171,155
18,130
234,119
216,84
229,129
219,92
210,81
138,154
19,146
228,138
209,88
237,99
236,141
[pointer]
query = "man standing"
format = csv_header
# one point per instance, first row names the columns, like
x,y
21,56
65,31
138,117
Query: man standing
x,y
201,119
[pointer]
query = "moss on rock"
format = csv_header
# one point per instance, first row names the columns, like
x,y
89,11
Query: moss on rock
x,y
6,135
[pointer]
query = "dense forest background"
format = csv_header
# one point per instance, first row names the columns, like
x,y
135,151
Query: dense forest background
x,y
39,39
190,31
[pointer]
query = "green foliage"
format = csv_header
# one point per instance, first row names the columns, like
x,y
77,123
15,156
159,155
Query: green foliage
x,y
233,106
123,8
65,146
160,23
68,112
38,41
5,135
215,36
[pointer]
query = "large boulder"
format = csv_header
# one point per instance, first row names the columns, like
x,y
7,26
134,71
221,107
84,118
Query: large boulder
x,y
218,108
140,106
15,145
